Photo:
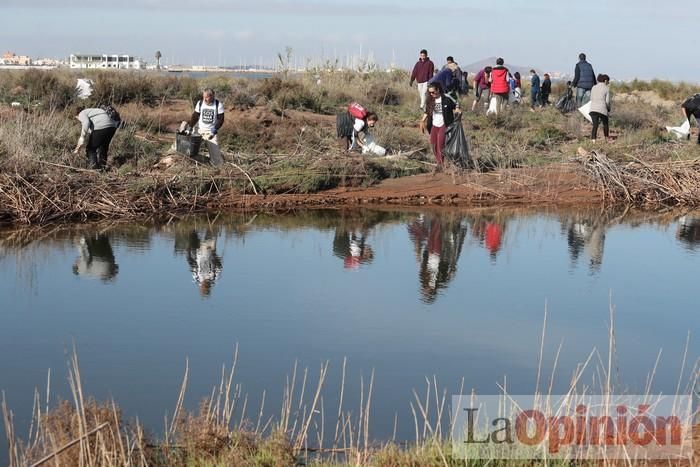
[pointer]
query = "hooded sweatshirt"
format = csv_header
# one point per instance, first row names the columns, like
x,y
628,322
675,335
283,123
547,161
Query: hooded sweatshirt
x,y
423,71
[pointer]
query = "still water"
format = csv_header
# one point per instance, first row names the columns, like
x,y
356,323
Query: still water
x,y
452,294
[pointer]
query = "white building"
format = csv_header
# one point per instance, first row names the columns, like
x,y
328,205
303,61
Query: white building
x,y
127,62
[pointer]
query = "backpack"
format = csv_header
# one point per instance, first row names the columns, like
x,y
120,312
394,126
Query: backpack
x,y
111,112
357,110
216,106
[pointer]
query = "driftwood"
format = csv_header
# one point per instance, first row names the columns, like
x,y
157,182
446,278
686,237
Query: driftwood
x,y
640,183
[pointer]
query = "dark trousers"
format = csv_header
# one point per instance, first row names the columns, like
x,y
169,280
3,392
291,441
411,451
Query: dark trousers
x,y
544,98
98,146
597,118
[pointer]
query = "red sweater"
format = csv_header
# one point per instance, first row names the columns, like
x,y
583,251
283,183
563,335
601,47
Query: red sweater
x,y
423,71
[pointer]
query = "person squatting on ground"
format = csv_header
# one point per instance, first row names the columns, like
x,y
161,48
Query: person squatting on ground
x,y
691,106
499,84
97,130
423,71
482,84
353,131
600,106
584,80
208,117
545,90
439,114
534,89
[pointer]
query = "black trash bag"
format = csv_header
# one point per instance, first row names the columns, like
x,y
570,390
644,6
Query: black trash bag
x,y
456,146
566,103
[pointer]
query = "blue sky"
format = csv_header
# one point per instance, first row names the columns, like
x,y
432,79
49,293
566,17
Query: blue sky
x,y
622,38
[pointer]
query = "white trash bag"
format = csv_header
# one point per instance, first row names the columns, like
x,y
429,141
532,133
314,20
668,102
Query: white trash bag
x,y
372,148
585,110
680,132
493,106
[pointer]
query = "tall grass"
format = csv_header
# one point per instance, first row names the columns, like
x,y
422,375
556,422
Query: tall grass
x,y
226,431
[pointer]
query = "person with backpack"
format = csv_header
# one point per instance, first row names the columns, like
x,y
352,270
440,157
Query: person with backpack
x,y
98,126
584,80
499,84
207,119
482,84
423,70
691,106
439,114
352,128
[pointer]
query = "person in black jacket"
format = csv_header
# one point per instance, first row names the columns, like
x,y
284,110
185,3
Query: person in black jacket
x,y
691,106
439,114
545,90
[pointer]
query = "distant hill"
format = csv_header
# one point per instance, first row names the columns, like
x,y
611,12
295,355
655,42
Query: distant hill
x,y
481,64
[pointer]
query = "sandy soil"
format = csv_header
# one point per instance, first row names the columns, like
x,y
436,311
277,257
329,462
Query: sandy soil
x,y
561,184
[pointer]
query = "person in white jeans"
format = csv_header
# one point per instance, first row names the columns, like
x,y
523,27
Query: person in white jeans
x,y
423,71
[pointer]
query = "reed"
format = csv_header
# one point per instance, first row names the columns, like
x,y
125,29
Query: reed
x,y
84,432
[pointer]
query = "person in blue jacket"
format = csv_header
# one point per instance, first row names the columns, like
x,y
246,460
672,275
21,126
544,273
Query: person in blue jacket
x,y
584,80
534,89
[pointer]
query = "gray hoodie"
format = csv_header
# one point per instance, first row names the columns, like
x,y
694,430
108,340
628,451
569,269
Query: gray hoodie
x,y
600,99
99,118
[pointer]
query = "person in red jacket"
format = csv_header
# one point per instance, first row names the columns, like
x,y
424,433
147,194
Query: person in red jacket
x,y
499,84
423,71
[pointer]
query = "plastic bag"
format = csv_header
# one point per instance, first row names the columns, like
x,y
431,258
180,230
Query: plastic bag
x,y
566,103
681,131
585,110
493,106
456,147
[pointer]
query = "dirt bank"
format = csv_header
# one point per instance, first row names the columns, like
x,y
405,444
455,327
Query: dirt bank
x,y
560,184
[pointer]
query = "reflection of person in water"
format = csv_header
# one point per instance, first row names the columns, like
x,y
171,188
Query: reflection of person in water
x,y
586,235
438,242
689,231
490,232
96,258
352,247
204,263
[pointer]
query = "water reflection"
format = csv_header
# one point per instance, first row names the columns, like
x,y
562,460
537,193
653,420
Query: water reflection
x,y
204,262
585,236
689,231
96,258
437,242
437,238
489,230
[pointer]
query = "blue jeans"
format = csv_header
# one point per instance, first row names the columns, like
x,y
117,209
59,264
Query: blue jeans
x,y
582,96
534,98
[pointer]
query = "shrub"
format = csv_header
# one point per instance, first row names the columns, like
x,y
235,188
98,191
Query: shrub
x,y
383,95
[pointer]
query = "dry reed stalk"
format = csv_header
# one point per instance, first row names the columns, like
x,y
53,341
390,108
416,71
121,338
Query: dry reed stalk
x,y
672,183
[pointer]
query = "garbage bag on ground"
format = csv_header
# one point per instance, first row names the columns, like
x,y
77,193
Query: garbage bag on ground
x,y
566,103
680,132
456,145
372,148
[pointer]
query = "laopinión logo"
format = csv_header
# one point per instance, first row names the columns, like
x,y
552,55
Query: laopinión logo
x,y
630,427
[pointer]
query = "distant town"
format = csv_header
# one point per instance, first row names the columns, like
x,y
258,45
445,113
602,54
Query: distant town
x,y
78,61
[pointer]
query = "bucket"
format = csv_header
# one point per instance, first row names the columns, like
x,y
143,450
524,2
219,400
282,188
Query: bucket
x,y
188,144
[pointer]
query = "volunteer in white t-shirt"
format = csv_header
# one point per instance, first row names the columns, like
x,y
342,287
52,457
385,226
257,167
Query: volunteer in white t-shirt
x,y
439,114
208,117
